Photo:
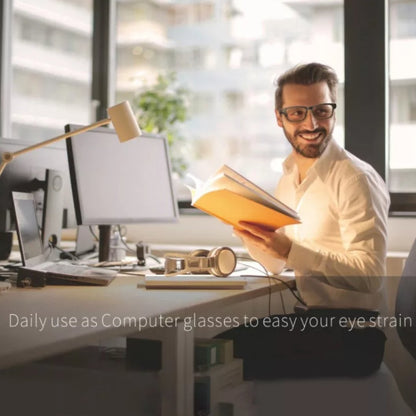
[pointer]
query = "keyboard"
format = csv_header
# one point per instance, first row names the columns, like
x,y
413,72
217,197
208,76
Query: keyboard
x,y
58,273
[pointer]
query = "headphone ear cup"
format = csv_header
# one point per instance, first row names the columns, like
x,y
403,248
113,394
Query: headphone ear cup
x,y
225,261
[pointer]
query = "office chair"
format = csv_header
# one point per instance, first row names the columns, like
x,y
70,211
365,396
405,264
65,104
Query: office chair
x,y
406,302
376,394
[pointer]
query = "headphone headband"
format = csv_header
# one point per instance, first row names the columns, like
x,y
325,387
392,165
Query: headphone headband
x,y
220,262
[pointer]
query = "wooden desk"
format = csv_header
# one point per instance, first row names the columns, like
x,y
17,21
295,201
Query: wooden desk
x,y
36,323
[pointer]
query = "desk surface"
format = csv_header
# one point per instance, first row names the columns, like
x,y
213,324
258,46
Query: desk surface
x,y
36,323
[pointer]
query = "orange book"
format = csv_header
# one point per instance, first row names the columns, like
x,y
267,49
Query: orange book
x,y
231,197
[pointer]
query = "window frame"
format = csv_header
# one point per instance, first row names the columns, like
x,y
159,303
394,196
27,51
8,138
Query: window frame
x,y
367,91
5,66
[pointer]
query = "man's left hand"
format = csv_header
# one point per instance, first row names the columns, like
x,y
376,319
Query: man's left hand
x,y
275,243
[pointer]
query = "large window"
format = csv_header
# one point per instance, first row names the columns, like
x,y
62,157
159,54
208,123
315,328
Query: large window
x,y
50,67
227,53
402,149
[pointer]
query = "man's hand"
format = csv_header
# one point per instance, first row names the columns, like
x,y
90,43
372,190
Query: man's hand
x,y
274,243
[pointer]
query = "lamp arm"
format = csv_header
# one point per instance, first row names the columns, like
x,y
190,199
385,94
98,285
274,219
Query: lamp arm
x,y
2,166
7,157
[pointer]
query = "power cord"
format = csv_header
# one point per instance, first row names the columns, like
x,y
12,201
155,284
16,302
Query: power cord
x,y
67,254
267,275
264,271
130,250
297,297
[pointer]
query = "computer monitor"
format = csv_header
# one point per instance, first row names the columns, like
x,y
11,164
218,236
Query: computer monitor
x,y
33,172
120,183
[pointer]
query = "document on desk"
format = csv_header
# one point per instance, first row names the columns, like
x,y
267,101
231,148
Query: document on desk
x,y
194,282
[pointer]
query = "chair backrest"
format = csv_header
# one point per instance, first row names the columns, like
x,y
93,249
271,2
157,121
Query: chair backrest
x,y
406,303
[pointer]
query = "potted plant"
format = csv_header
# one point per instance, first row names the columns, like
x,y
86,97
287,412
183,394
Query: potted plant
x,y
161,109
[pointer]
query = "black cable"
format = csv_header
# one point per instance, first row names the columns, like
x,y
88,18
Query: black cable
x,y
155,258
283,302
67,253
290,288
292,291
261,271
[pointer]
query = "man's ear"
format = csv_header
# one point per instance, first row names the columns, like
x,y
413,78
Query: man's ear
x,y
279,118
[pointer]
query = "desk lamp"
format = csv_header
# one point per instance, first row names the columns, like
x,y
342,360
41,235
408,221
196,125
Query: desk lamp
x,y
121,115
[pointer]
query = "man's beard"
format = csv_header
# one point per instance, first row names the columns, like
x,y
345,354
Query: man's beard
x,y
311,150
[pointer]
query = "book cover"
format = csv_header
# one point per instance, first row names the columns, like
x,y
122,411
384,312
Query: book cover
x,y
231,198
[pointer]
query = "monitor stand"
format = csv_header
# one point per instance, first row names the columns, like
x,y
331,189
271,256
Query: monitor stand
x,y
104,242
53,206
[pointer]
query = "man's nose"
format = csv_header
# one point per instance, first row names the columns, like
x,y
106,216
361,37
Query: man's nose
x,y
310,121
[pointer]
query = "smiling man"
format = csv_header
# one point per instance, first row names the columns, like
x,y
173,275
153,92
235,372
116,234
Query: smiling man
x,y
338,251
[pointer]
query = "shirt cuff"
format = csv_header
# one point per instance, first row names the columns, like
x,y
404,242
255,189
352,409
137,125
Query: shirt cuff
x,y
301,258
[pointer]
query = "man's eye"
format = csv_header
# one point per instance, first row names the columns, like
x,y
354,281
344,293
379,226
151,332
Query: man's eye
x,y
296,113
324,111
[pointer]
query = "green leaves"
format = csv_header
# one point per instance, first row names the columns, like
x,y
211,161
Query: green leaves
x,y
161,109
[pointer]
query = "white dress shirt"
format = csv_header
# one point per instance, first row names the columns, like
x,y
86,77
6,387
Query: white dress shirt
x,y
339,250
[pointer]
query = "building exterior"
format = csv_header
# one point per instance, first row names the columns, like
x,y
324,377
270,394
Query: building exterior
x,y
226,52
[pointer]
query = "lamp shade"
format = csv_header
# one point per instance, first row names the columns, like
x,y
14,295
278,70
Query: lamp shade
x,y
124,121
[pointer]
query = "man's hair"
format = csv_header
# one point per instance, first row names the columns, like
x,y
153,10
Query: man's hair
x,y
307,74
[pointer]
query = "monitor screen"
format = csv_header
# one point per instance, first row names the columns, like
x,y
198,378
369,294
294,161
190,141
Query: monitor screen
x,y
120,183
27,173
27,226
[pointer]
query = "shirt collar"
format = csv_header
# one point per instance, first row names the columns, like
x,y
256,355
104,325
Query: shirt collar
x,y
324,163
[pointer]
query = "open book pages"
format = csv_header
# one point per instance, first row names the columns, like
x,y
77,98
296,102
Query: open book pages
x,y
231,197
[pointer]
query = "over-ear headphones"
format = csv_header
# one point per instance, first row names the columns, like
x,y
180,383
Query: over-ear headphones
x,y
219,261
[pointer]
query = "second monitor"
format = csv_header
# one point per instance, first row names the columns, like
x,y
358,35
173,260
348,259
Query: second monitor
x,y
120,183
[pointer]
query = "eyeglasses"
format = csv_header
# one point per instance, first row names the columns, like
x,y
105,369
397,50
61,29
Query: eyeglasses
x,y
299,112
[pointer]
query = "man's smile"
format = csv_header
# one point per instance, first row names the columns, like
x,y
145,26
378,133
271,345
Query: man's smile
x,y
311,136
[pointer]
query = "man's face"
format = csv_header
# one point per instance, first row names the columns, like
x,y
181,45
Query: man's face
x,y
310,137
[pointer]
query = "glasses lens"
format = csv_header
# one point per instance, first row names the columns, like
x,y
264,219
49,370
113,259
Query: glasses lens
x,y
322,111
296,113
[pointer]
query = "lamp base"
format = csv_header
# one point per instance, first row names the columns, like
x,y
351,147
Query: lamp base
x,y
6,244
